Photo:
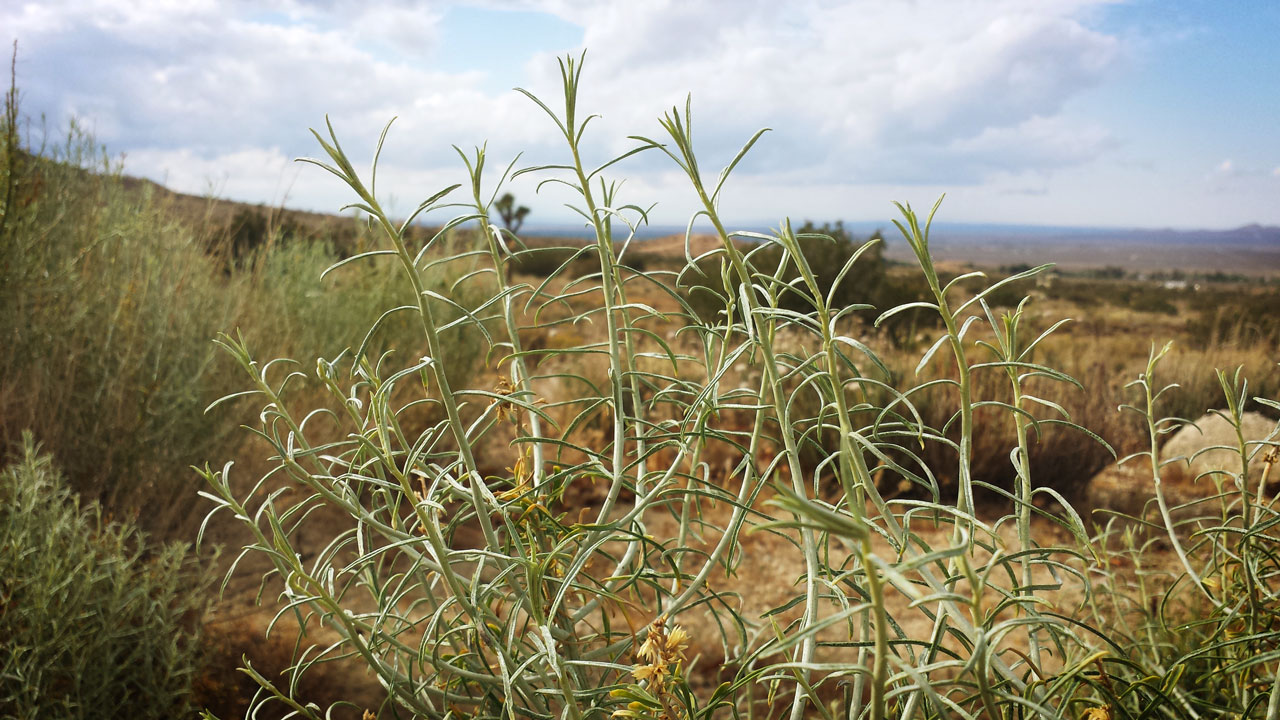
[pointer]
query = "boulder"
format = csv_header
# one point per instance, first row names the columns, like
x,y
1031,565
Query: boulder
x,y
1188,469
1119,488
1189,451
1128,489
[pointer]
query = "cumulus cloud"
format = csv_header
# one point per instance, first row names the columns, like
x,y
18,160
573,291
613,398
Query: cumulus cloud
x,y
955,91
1229,169
856,74
1244,179
267,174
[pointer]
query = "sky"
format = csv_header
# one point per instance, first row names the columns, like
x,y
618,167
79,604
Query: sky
x,y
1099,113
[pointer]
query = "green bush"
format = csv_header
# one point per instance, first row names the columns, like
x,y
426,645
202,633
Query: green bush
x,y
545,261
1244,316
96,622
829,249
251,229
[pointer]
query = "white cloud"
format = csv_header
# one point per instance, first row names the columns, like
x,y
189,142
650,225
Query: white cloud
x,y
263,174
943,91
857,72
1037,142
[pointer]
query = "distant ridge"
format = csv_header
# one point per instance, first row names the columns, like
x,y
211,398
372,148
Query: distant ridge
x,y
1247,236
1252,250
1249,250
1253,235
1244,236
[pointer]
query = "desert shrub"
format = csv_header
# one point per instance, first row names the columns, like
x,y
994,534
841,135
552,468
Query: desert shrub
x,y
1110,272
1151,300
252,228
106,305
831,248
907,328
570,260
703,289
1008,296
97,621
1081,293
476,593
1208,625
1094,288
109,298
1242,317
545,261
864,287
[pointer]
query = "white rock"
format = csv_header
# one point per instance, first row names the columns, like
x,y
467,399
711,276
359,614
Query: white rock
x,y
1189,464
1190,453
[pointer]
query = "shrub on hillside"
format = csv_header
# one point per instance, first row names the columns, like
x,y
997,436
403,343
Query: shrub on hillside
x,y
108,299
1240,316
546,261
829,249
253,228
106,307
96,622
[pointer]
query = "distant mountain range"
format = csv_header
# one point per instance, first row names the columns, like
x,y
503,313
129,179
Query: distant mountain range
x,y
1255,236
1250,249
1247,236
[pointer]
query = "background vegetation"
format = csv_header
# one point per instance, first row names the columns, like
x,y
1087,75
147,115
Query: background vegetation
x,y
110,293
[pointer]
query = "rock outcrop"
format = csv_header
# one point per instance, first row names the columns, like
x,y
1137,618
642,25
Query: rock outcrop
x,y
1192,444
1193,465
